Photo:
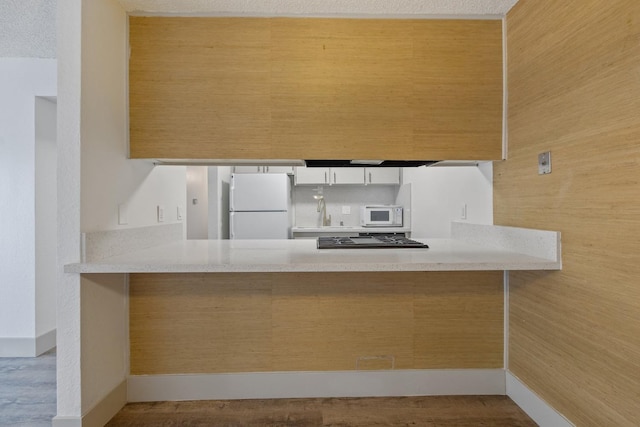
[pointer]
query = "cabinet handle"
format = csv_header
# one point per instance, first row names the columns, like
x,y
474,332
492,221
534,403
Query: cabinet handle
x,y
334,178
266,169
325,177
369,177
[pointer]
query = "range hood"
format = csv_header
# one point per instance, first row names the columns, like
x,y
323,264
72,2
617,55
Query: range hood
x,y
293,162
368,163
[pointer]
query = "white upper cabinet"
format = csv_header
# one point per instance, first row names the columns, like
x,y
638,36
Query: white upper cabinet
x,y
278,169
382,176
344,176
247,169
347,176
313,176
263,169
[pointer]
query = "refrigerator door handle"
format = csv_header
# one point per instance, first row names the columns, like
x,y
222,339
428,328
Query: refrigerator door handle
x,y
231,186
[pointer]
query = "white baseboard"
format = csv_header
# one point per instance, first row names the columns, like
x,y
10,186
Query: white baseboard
x,y
274,385
539,410
27,346
17,347
45,342
100,413
66,421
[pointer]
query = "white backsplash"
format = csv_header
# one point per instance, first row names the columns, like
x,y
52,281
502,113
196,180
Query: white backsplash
x,y
353,196
97,245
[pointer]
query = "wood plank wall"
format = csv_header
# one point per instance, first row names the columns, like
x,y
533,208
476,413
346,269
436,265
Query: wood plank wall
x,y
574,88
209,323
314,88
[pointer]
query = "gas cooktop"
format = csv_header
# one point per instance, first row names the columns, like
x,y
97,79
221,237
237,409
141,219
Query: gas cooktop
x,y
368,242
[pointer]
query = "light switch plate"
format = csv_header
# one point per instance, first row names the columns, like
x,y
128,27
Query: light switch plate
x,y
346,210
123,217
544,163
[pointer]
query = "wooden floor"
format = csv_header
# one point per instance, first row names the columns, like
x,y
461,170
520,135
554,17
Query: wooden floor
x,y
398,411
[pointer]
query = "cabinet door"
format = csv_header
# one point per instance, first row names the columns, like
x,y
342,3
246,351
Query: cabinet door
x,y
247,169
347,176
341,88
304,176
457,90
199,88
382,176
278,169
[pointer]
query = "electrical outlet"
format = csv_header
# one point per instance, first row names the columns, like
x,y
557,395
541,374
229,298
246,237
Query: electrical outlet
x,y
179,214
346,210
544,163
160,213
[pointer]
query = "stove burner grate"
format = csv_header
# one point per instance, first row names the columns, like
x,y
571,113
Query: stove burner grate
x,y
368,241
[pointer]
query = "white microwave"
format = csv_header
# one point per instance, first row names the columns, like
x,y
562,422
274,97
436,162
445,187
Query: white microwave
x,y
381,216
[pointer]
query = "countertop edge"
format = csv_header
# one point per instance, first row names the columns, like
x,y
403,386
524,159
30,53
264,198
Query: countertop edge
x,y
89,268
473,248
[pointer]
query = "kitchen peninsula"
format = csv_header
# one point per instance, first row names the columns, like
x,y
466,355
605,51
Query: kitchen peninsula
x,y
261,319
461,253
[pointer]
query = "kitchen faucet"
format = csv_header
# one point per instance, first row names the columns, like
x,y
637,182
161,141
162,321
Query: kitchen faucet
x,y
322,207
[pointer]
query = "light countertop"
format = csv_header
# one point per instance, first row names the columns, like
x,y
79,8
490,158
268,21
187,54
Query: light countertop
x,y
240,256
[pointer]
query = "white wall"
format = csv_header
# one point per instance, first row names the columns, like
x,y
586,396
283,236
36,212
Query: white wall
x,y
219,183
112,180
68,372
94,178
439,194
46,202
108,177
197,202
209,218
22,80
337,196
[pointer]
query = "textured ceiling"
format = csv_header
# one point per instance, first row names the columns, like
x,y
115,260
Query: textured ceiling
x,y
28,28
400,8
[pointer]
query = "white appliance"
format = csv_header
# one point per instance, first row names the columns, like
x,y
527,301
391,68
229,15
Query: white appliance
x,y
381,216
260,206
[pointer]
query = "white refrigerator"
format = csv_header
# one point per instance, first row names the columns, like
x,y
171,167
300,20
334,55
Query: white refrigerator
x,y
260,206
